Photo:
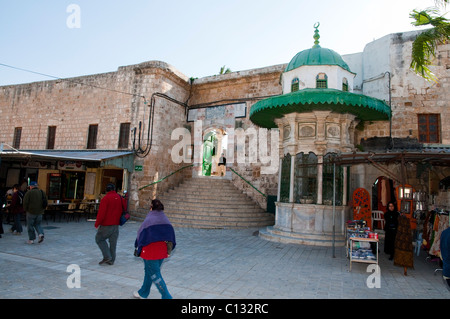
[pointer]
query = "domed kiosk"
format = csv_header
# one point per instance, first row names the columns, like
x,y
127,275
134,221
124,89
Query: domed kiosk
x,y
316,115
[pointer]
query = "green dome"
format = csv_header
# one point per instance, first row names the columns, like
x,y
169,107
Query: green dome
x,y
316,56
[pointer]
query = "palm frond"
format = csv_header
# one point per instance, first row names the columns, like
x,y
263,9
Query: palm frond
x,y
425,45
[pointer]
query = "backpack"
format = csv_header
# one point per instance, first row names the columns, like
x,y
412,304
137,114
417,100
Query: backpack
x,y
44,200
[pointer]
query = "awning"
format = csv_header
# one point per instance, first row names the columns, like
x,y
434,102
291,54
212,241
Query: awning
x,y
264,112
123,159
429,156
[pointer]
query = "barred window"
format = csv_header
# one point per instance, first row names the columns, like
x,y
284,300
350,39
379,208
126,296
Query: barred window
x,y
321,81
295,85
16,138
345,84
305,175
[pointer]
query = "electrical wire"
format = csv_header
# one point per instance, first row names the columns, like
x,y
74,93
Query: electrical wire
x,y
71,81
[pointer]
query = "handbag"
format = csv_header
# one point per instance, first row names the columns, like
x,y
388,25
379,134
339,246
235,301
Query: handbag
x,y
124,218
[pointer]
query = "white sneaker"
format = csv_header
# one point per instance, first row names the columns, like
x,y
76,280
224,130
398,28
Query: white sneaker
x,y
29,242
137,295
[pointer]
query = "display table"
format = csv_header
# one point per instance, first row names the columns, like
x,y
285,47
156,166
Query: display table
x,y
364,256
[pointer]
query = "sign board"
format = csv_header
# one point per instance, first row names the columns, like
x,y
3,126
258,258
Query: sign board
x,y
138,168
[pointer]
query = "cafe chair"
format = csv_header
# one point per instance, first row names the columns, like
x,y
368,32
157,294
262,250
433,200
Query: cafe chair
x,y
70,212
82,210
377,216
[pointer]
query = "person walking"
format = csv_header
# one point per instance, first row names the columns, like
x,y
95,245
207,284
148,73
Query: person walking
x,y
34,203
390,228
107,223
16,208
154,242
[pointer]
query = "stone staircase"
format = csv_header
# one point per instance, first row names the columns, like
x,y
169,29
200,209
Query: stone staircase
x,y
211,203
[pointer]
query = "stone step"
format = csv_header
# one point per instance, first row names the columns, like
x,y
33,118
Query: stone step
x,y
323,239
177,201
210,203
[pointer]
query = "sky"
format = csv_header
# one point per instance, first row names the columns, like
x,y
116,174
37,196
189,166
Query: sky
x,y
68,38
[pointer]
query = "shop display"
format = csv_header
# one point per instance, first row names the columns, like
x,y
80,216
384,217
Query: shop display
x,y
360,241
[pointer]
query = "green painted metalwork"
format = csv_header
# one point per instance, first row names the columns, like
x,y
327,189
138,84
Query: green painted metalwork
x,y
247,182
264,112
305,178
316,35
158,181
285,178
327,180
208,153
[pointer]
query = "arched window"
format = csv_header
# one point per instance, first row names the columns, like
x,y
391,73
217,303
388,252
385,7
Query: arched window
x,y
321,81
327,180
294,85
344,85
305,178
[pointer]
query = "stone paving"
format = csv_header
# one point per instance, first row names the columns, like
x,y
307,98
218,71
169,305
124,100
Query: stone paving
x,y
207,264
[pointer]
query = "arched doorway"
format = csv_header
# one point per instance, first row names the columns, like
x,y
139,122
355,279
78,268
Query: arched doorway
x,y
215,141
382,193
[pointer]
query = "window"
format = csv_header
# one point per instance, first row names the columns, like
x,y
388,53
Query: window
x,y
51,134
327,180
429,127
285,178
16,138
92,136
321,81
305,178
294,85
345,84
124,135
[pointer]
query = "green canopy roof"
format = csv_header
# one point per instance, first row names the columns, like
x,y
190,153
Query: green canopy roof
x,y
264,112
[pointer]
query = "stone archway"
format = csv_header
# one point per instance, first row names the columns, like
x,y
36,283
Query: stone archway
x,y
215,143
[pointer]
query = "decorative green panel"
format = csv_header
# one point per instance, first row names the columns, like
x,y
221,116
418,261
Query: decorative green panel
x,y
285,178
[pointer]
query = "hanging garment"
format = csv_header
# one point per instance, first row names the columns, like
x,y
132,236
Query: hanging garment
x,y
384,192
442,224
403,255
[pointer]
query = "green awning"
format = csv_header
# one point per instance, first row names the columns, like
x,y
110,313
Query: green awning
x,y
264,112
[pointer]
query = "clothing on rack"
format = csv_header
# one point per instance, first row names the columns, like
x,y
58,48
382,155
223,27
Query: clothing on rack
x,y
440,224
435,223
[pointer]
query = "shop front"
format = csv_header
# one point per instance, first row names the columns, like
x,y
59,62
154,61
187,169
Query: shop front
x,y
67,176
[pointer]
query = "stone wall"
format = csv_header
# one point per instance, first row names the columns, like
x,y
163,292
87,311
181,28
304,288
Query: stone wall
x,y
107,100
410,94
245,87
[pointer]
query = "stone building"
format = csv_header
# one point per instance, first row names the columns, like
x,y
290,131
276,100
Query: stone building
x,y
75,135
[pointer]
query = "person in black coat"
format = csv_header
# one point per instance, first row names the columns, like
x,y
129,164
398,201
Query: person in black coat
x,y
390,229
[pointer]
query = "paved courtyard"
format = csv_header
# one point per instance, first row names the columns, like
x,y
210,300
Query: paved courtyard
x,y
207,264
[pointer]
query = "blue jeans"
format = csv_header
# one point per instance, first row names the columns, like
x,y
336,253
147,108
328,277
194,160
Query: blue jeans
x,y
34,224
17,223
153,275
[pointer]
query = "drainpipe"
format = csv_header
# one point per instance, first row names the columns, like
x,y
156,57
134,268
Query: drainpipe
x,y
390,109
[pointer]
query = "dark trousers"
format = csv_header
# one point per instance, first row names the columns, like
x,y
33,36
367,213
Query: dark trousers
x,y
104,234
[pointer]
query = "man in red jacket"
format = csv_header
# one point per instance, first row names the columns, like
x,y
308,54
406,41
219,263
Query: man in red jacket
x,y
108,220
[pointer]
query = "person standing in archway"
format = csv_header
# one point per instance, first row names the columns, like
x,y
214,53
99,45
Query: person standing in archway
x,y
222,165
390,228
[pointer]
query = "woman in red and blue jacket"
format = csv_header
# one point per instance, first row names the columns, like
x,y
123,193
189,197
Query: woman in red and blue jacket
x,y
154,237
